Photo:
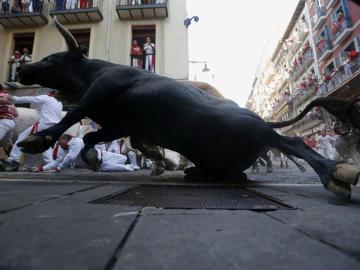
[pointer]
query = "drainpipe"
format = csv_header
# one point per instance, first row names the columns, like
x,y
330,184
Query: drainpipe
x,y
107,50
312,43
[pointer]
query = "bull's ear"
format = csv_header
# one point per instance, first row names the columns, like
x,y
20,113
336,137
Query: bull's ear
x,y
69,38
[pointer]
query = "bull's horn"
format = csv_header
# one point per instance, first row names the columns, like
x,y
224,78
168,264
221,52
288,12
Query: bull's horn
x,y
69,38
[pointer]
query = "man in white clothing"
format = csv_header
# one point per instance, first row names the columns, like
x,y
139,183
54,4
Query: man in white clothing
x,y
149,50
50,114
325,146
69,151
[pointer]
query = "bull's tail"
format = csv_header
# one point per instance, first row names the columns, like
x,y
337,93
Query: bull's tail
x,y
341,109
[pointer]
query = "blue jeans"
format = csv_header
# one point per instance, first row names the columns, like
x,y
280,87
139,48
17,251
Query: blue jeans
x,y
59,4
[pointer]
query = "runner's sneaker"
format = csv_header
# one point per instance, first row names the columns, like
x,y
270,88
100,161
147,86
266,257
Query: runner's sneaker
x,y
11,165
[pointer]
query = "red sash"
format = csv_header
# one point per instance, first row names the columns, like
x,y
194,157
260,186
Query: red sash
x,y
35,128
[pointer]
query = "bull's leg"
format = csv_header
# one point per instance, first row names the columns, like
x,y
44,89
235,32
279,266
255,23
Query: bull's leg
x,y
300,167
41,141
152,152
336,177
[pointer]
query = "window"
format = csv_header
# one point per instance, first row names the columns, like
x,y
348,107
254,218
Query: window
x,y
142,55
82,37
348,48
338,15
22,41
23,46
330,68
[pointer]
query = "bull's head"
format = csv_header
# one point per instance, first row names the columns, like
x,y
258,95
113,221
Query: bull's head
x,y
63,71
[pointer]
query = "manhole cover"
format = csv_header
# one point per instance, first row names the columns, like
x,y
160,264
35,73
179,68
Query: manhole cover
x,y
194,197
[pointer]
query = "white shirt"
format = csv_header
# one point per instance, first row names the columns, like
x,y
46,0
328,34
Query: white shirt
x,y
324,142
66,157
149,48
50,108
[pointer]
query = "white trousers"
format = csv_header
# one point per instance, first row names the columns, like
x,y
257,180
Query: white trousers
x,y
112,162
148,63
327,152
6,127
70,4
16,152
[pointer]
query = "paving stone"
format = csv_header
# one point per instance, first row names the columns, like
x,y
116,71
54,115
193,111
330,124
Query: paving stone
x,y
234,240
66,233
18,194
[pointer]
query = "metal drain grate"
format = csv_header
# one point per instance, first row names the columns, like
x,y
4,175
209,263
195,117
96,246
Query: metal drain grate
x,y
194,197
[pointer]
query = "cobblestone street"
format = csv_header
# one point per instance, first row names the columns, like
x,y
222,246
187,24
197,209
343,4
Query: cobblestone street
x,y
47,222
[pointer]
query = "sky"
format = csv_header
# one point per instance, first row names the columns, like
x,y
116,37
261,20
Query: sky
x,y
231,36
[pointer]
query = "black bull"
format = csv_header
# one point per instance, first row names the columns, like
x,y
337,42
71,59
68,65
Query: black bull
x,y
218,136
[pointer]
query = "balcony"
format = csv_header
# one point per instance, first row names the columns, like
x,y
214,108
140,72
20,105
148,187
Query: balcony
x,y
142,9
330,3
340,31
323,49
319,18
78,11
14,17
303,31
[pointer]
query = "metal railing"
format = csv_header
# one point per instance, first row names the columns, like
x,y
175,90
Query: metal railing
x,y
320,12
141,2
16,7
58,5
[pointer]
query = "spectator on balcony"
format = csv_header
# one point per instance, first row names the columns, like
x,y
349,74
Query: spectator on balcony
x,y
134,2
16,7
59,4
15,63
5,6
71,4
149,52
25,5
346,66
354,57
136,54
84,3
26,58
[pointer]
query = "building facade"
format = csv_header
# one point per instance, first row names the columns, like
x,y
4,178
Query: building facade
x,y
316,56
106,27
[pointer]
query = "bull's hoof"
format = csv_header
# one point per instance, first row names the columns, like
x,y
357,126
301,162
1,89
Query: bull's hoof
x,y
340,189
157,171
34,144
91,159
346,173
269,169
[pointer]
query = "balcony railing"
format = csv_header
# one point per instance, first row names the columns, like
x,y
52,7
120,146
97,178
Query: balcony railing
x,y
323,49
341,30
77,11
302,65
330,3
319,18
15,16
142,9
341,76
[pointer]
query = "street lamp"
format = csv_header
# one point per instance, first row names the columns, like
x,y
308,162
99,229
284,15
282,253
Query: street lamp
x,y
187,21
205,69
